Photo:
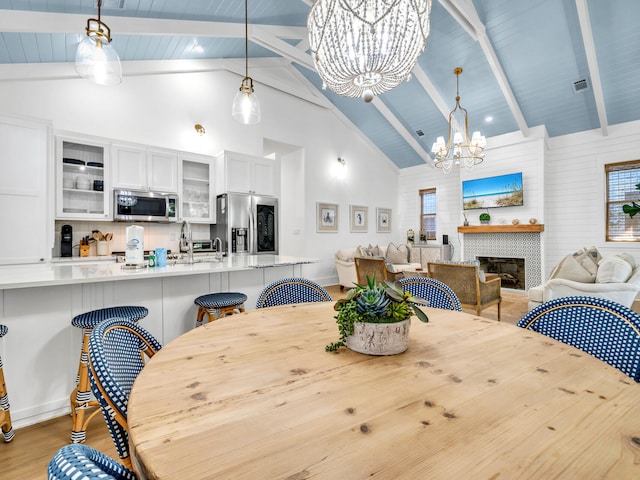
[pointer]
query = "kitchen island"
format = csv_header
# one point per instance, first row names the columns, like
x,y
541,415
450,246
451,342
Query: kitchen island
x,y
37,302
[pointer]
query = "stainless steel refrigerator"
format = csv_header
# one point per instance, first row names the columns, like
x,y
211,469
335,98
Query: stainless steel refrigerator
x,y
246,224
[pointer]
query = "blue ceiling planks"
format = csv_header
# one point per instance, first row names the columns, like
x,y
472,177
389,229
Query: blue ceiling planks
x,y
371,122
538,44
617,39
542,54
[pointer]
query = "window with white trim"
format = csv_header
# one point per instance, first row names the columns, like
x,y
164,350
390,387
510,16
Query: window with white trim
x,y
428,212
622,179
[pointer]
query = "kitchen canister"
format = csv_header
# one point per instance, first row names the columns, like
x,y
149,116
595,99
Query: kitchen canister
x,y
102,248
161,257
134,252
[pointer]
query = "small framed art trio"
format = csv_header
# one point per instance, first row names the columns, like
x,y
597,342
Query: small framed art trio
x,y
327,218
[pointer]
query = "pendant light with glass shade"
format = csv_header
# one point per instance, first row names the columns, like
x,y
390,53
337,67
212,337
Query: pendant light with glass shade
x,y
246,107
96,59
460,149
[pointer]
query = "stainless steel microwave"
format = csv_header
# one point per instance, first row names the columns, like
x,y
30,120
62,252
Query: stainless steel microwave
x,y
143,206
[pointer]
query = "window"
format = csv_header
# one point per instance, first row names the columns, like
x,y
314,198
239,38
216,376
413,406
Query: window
x,y
428,212
622,179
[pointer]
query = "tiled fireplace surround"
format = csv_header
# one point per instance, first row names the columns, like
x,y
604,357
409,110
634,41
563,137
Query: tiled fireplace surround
x,y
526,245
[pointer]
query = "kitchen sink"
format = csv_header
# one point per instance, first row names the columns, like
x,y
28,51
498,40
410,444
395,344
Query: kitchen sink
x,y
183,258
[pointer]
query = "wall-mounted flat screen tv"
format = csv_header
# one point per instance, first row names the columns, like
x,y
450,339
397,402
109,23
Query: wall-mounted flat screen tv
x,y
500,191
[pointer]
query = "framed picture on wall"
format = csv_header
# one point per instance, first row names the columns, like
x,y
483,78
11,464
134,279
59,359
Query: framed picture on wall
x,y
383,220
359,218
327,217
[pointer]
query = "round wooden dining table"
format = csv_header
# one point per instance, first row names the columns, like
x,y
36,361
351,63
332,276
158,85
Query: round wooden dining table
x,y
256,396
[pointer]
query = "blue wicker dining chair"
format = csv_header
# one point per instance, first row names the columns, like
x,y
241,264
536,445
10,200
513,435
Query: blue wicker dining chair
x,y
602,328
292,290
118,349
434,291
81,462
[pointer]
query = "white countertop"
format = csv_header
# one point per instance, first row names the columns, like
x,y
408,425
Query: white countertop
x,y
50,274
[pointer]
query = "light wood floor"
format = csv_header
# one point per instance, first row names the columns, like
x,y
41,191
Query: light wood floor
x,y
28,455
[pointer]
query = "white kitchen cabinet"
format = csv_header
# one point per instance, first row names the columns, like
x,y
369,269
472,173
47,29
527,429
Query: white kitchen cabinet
x,y
196,189
82,188
25,216
162,171
241,173
138,168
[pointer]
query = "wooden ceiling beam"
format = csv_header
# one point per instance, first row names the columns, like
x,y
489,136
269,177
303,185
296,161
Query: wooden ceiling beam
x,y
592,61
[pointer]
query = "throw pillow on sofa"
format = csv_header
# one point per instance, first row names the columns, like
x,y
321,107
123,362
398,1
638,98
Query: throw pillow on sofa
x,y
614,269
398,255
593,254
579,268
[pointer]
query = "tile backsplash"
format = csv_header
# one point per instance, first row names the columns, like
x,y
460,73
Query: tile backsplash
x,y
155,235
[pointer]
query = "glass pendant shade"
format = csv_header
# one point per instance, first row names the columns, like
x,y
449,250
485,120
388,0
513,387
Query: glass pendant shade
x,y
246,107
98,61
363,48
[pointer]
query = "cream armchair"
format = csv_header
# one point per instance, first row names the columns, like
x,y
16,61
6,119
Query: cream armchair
x,y
623,293
346,268
616,277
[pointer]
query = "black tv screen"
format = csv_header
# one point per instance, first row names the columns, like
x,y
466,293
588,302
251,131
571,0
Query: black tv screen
x,y
490,192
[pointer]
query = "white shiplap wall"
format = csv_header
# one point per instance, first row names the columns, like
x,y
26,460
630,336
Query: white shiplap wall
x,y
576,187
506,154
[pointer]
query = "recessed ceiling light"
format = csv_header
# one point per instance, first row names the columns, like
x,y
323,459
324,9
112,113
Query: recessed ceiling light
x,y
488,119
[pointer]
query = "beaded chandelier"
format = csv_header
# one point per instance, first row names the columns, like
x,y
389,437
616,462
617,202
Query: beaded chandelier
x,y
363,48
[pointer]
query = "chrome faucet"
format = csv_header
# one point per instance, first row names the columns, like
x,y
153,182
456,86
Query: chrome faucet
x,y
186,241
217,245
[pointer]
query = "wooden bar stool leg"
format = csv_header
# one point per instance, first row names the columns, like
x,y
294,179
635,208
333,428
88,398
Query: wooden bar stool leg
x,y
200,318
80,398
216,313
5,414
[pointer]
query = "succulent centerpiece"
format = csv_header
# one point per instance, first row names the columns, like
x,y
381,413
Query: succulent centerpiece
x,y
375,318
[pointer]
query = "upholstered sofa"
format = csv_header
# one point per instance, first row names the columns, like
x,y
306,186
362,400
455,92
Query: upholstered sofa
x,y
613,277
398,258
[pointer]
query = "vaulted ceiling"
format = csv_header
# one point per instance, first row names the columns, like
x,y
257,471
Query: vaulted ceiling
x,y
570,65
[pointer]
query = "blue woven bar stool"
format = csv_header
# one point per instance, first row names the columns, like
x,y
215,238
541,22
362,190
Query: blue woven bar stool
x,y
5,415
80,398
218,305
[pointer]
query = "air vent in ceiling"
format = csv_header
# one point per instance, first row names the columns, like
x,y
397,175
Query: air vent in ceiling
x,y
420,133
580,86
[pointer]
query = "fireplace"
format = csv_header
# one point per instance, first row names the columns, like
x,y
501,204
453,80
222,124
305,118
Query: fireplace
x,y
507,241
510,270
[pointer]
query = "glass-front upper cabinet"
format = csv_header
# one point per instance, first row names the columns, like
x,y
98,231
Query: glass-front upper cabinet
x,y
197,195
81,183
